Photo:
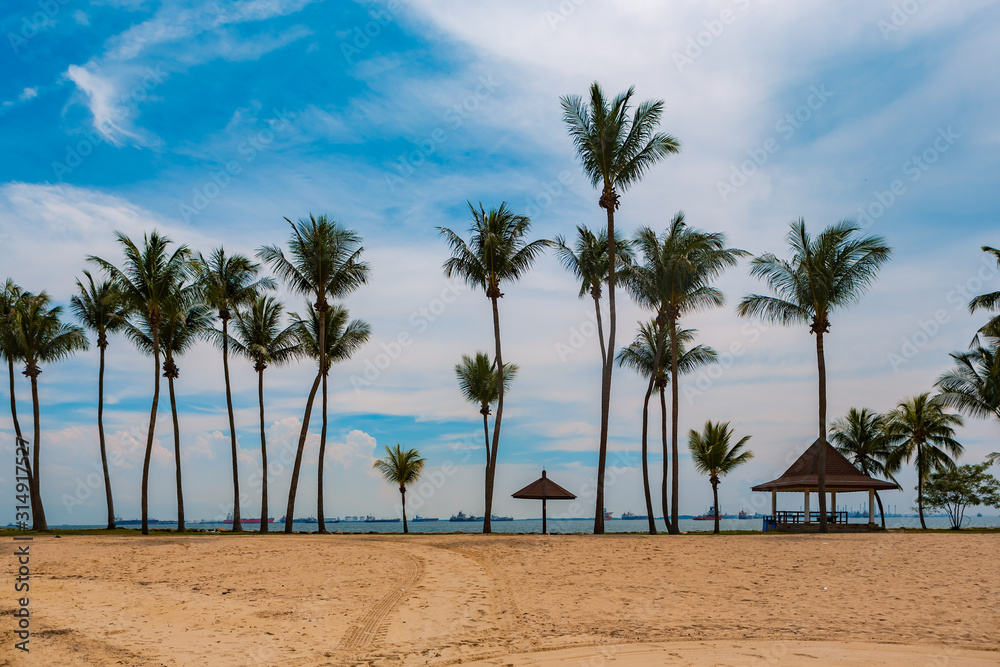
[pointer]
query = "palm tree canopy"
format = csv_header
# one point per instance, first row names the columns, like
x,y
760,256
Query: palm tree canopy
x,y
587,258
343,337
38,335
616,148
920,427
259,336
399,467
824,273
711,452
9,297
973,385
497,253
479,380
184,319
323,260
640,355
988,301
860,437
100,307
229,282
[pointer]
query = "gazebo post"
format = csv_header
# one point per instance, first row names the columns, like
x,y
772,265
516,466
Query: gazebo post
x,y
871,507
805,505
774,504
544,531
833,502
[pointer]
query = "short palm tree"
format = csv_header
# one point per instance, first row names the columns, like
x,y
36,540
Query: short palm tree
x,y
259,337
100,308
496,254
616,150
323,263
640,356
402,468
712,454
40,337
230,282
341,339
479,382
921,430
147,281
824,274
860,436
673,279
587,260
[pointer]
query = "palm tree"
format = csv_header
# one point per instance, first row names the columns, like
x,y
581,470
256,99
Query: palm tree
x,y
324,262
40,337
342,338
712,454
403,468
587,259
973,385
988,301
185,320
480,384
640,356
823,275
229,283
673,279
10,297
860,436
497,254
920,429
258,336
147,281
100,308
616,150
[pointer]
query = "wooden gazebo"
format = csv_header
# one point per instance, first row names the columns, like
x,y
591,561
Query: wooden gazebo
x,y
544,489
802,477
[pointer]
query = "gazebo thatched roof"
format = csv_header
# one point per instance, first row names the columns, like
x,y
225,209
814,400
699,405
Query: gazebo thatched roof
x,y
841,475
544,488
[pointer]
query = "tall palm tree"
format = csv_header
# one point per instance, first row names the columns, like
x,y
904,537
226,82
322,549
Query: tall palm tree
x,y
496,254
824,274
860,436
10,296
640,356
259,337
480,384
402,468
988,301
40,337
587,259
973,385
147,280
921,430
341,339
712,454
323,262
185,320
230,282
616,150
673,279
100,308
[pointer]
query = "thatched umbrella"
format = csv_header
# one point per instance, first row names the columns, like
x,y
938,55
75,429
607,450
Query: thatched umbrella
x,y
543,489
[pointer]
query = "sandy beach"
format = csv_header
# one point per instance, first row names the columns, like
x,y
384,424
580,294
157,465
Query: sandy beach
x,y
887,599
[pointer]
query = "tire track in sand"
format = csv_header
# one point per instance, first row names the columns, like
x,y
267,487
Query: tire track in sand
x,y
373,624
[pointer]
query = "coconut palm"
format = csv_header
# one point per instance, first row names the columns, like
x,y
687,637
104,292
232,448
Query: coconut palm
x,y
341,339
402,468
323,262
673,279
921,430
587,260
712,454
824,274
616,150
100,308
147,280
860,436
185,320
230,282
40,337
479,382
259,337
10,295
496,254
640,356
988,301
973,385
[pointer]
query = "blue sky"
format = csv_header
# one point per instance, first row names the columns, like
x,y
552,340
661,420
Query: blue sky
x,y
213,120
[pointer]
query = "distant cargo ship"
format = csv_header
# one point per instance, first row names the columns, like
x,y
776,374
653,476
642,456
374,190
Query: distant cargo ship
x,y
419,518
136,522
229,519
371,519
634,517
462,516
308,519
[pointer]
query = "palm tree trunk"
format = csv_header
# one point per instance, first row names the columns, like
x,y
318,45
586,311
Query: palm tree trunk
x,y
645,462
608,365
920,487
486,432
320,517
821,472
17,432
600,332
177,452
666,458
38,514
674,403
881,511
237,526
263,453
104,451
402,492
491,471
155,326
715,499
294,485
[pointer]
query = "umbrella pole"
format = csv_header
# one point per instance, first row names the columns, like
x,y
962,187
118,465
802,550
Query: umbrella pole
x,y
543,517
